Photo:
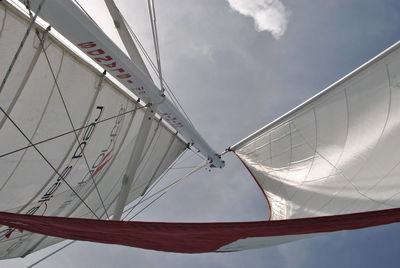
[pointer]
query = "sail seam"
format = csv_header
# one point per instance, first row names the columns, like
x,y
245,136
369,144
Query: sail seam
x,y
305,180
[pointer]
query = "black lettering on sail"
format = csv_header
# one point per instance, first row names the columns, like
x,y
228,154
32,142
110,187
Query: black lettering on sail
x,y
79,150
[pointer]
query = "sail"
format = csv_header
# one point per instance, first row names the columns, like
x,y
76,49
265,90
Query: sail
x,y
79,29
338,152
68,134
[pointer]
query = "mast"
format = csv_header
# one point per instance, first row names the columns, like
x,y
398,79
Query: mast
x,y
126,38
71,22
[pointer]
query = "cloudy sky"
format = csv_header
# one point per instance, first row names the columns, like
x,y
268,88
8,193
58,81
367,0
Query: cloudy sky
x,y
237,65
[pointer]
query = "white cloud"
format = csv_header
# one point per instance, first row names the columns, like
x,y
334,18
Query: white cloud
x,y
268,15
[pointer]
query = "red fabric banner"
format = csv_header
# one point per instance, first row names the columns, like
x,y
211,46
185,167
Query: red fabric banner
x,y
189,237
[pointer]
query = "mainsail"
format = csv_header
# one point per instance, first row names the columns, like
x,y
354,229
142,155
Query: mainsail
x,y
82,124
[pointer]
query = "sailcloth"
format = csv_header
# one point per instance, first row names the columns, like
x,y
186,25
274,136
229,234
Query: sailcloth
x,y
83,128
338,152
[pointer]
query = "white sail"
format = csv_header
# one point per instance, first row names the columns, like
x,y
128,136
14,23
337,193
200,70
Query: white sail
x,y
338,152
46,111
80,30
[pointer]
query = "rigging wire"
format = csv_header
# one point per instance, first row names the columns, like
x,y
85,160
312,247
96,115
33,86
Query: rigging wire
x,y
190,156
148,58
74,130
129,209
70,132
51,254
148,205
87,14
154,68
157,71
155,183
168,187
47,161
71,123
176,162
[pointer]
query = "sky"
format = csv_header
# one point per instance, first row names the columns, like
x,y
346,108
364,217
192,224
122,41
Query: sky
x,y
236,65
